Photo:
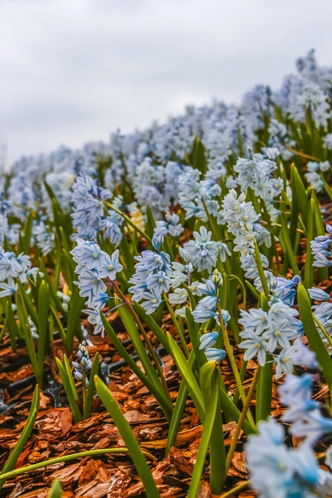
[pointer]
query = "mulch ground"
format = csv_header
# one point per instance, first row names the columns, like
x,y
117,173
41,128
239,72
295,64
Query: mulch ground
x,y
54,434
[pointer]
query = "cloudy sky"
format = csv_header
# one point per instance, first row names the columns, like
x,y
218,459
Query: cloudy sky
x,y
75,70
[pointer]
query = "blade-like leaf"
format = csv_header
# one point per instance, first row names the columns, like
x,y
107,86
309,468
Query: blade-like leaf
x,y
188,376
211,388
129,439
10,463
313,335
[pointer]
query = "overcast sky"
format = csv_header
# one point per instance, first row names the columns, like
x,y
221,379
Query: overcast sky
x,y
74,70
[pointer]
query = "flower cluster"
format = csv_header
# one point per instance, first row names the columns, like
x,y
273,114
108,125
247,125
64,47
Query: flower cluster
x,y
94,265
321,248
14,268
82,366
91,216
198,198
151,278
204,252
314,174
271,332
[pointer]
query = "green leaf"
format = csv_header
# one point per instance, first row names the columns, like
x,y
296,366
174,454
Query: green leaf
x,y
59,327
10,323
308,268
217,450
188,377
299,203
152,325
193,329
126,256
198,156
57,268
72,396
179,408
313,335
26,330
264,383
13,457
151,224
43,308
287,246
74,324
56,489
26,239
252,289
300,192
211,388
128,437
264,390
234,413
131,328
156,391
29,306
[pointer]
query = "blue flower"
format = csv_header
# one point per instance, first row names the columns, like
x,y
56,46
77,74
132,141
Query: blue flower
x,y
111,266
208,340
90,285
255,346
214,354
8,289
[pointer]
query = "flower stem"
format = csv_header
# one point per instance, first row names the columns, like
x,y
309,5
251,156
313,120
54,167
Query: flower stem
x,y
177,326
232,361
66,458
261,270
242,418
129,221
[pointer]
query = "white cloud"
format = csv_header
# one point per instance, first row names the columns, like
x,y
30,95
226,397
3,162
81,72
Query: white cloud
x,y
75,71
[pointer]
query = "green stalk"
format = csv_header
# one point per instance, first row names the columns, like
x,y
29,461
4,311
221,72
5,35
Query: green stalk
x,y
242,418
264,383
261,270
67,458
129,221
229,351
211,406
177,326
